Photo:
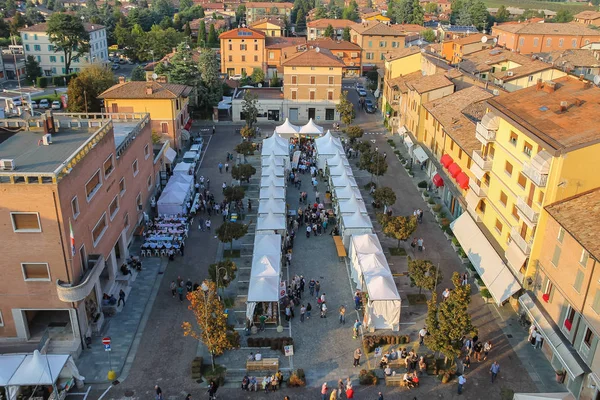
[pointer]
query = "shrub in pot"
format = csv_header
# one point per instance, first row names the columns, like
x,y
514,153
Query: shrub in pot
x,y
422,185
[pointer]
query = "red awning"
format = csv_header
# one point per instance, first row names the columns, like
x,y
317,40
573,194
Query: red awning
x,y
437,180
454,170
188,125
463,180
446,160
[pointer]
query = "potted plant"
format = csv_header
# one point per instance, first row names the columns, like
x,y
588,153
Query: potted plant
x,y
425,195
422,186
485,294
462,255
455,245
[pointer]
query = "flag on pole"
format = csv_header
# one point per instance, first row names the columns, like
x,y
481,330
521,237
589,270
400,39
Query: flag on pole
x,y
72,236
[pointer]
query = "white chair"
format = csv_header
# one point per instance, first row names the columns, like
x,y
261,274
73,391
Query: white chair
x,y
156,253
143,253
163,252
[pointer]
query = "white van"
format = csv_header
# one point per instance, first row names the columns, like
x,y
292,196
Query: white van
x,y
191,157
197,148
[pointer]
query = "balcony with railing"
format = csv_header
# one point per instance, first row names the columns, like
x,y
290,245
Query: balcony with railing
x,y
524,245
539,178
528,212
479,190
484,135
73,292
483,162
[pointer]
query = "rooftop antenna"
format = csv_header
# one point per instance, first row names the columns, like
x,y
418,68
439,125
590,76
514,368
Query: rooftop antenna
x,y
484,39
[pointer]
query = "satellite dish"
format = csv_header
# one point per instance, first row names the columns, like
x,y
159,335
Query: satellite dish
x,y
317,49
597,80
259,85
495,41
484,39
154,76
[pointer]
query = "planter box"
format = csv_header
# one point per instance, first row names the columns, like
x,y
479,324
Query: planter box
x,y
479,287
455,247
471,273
448,236
426,198
421,189
464,260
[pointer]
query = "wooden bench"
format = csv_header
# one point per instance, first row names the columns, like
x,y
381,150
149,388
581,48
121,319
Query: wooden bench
x,y
395,380
266,364
397,363
339,247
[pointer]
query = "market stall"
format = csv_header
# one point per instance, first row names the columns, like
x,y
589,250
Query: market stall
x,y
342,180
183,168
272,191
274,146
328,149
338,159
272,159
351,205
346,192
267,181
287,128
339,170
382,310
271,205
173,202
265,277
272,169
311,129
271,223
354,224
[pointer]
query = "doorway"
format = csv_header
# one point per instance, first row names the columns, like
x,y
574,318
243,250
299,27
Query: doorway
x,y
55,323
329,114
311,113
293,114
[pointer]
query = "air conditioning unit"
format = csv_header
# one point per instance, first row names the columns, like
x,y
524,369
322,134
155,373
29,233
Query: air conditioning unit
x,y
509,73
47,139
496,92
7,165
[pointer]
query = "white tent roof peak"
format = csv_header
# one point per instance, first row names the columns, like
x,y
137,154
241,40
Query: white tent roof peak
x,y
337,159
287,127
324,138
311,128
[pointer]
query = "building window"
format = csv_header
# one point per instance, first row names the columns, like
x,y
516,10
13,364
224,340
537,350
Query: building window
x,y
135,168
271,55
521,180
26,222
574,43
584,258
255,58
75,207
549,42
498,226
313,80
330,80
522,42
36,47
330,95
149,182
561,42
527,148
503,198
369,56
108,166
561,235
596,302
126,220
514,212
588,337
122,187
556,256
99,229
92,186
508,168
113,208
578,281
242,47
230,58
294,80
53,59
83,258
382,44
513,138
243,58
294,94
35,271
311,95
139,202
370,43
569,318
230,47
147,150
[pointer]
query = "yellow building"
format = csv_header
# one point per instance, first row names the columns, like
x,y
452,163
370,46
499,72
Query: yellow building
x,y
271,27
376,39
312,85
242,50
539,145
167,104
447,135
564,298
375,16
257,10
397,63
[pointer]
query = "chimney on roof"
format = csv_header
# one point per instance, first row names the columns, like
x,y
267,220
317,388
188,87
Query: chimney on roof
x,y
540,84
581,76
49,126
550,87
563,106
148,88
121,79
587,84
578,102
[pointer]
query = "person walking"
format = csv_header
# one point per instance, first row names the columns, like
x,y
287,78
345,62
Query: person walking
x,y
173,288
201,224
159,393
324,390
357,325
340,388
487,347
357,355
121,298
311,287
220,168
461,383
317,288
357,301
226,167
208,223
333,395
323,310
380,396
422,334
180,293
214,129
342,315
495,368
420,244
262,319
308,310
302,312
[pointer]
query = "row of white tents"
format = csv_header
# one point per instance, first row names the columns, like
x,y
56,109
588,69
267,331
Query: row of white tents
x,y
369,267
178,192
288,129
265,273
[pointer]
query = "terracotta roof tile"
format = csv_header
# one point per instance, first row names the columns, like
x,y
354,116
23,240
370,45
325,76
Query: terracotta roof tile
x,y
477,37
137,90
243,33
547,29
408,28
481,61
590,14
401,83
272,42
313,58
270,20
374,28
258,4
428,83
571,58
328,43
401,53
325,22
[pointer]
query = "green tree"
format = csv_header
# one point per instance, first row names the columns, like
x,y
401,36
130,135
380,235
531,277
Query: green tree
x,y
250,108
320,12
350,13
275,81
398,227
502,15
329,32
373,162
245,148
385,196
234,193
138,73
67,33
563,15
185,5
300,21
247,132
166,23
258,75
163,8
182,68
187,31
202,34
240,14
230,231
243,172
417,13
227,272
431,8
84,90
423,274
4,28
32,69
428,35
363,146
17,23
346,34
213,40
211,321
345,108
210,90
354,132
403,11
450,320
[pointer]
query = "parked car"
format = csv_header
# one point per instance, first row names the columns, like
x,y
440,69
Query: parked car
x,y
33,104
236,77
56,105
115,66
122,61
370,106
362,92
44,103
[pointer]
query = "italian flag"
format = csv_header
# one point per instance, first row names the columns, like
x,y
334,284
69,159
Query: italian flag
x,y
72,236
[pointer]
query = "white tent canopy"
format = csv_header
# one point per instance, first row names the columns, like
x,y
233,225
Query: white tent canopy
x,y
270,222
275,148
366,244
272,191
543,396
272,159
175,195
263,288
311,128
351,205
38,369
346,192
267,244
271,205
341,169
266,265
272,169
324,138
337,159
286,128
267,181
343,181
264,275
186,179
9,363
356,220
183,168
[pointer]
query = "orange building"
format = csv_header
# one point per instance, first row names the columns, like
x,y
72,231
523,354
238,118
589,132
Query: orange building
x,y
376,39
66,173
317,27
588,18
455,50
279,49
349,53
527,38
242,50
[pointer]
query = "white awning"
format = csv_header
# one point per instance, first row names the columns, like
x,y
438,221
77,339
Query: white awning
x,y
420,154
515,256
185,134
408,141
170,155
543,396
477,171
402,130
561,348
495,274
